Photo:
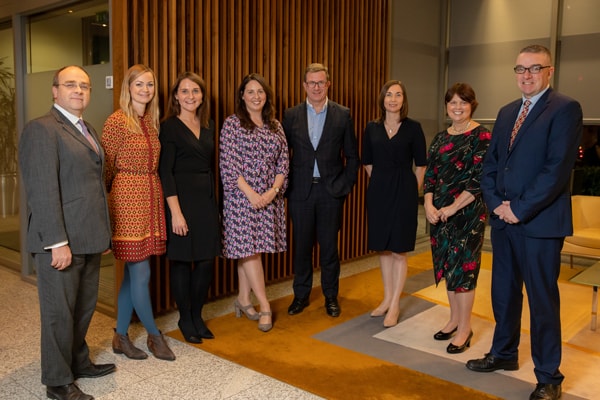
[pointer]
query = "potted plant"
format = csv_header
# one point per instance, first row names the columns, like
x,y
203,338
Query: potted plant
x,y
9,192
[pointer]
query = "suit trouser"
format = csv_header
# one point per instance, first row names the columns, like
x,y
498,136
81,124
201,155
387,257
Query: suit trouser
x,y
319,218
67,303
519,259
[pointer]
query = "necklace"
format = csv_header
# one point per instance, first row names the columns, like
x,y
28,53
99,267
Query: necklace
x,y
390,129
457,130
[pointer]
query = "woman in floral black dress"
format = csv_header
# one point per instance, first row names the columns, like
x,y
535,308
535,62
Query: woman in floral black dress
x,y
254,164
454,206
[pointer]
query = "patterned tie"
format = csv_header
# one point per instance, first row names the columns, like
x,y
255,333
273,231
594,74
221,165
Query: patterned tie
x,y
519,122
87,135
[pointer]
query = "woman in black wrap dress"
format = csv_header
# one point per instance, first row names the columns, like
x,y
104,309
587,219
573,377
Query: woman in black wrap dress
x,y
391,145
186,172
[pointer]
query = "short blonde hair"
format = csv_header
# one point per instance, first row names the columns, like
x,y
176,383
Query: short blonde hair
x,y
316,67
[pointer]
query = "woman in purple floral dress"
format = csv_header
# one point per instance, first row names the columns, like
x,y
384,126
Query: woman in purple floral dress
x,y
454,206
254,165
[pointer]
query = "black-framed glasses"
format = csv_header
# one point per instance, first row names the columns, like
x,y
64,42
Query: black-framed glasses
x,y
313,84
534,69
85,87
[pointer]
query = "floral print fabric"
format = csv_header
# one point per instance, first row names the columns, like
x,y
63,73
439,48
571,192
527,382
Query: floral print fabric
x,y
258,155
454,165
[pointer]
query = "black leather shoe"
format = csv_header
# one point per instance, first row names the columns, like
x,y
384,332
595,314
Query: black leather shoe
x,y
490,363
454,349
202,329
441,335
205,333
66,392
333,307
546,391
192,339
297,306
95,371
187,335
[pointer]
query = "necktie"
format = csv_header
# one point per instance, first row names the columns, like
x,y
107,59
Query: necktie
x,y
87,135
519,122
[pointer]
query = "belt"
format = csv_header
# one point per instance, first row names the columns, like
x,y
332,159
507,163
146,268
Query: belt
x,y
316,179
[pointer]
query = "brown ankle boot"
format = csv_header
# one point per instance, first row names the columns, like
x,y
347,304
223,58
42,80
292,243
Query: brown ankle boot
x,y
158,346
122,345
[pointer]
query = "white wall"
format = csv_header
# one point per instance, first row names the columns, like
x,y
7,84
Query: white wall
x,y
55,42
486,36
38,92
578,70
415,58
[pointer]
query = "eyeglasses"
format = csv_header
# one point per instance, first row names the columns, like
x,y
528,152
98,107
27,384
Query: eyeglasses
x,y
72,86
534,69
313,84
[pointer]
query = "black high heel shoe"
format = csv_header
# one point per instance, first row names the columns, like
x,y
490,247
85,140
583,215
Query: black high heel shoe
x,y
191,338
441,335
454,349
202,329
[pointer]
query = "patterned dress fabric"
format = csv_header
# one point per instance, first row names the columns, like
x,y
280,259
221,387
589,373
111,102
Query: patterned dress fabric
x,y
186,171
257,155
135,198
454,165
392,195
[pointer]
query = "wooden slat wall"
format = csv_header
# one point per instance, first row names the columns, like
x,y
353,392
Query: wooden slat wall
x,y
223,40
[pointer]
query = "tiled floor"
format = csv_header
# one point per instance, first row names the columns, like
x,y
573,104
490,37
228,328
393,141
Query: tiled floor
x,y
194,375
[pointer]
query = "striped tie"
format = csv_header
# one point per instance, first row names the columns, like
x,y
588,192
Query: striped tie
x,y
87,135
519,122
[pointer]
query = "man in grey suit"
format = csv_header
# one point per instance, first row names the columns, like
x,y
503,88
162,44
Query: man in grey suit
x,y
68,228
323,169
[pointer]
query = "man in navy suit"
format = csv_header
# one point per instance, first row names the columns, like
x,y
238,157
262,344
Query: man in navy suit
x,y
68,229
323,168
525,185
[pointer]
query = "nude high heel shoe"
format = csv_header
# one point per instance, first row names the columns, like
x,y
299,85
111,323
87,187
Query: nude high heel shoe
x,y
265,327
239,309
391,319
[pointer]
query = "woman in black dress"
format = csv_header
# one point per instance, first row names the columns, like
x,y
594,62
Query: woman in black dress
x,y
391,145
454,206
186,172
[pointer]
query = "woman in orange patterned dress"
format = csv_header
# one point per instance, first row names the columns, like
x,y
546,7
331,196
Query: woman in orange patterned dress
x,y
130,141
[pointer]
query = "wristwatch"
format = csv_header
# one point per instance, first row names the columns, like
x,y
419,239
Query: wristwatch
x,y
276,189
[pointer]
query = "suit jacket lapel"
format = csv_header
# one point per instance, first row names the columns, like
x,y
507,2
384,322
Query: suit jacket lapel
x,y
305,135
92,132
329,118
534,113
73,131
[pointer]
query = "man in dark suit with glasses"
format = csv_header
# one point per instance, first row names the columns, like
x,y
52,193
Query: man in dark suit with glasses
x,y
525,185
323,168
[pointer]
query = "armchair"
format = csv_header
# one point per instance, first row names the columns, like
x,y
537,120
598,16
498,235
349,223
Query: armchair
x,y
585,241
